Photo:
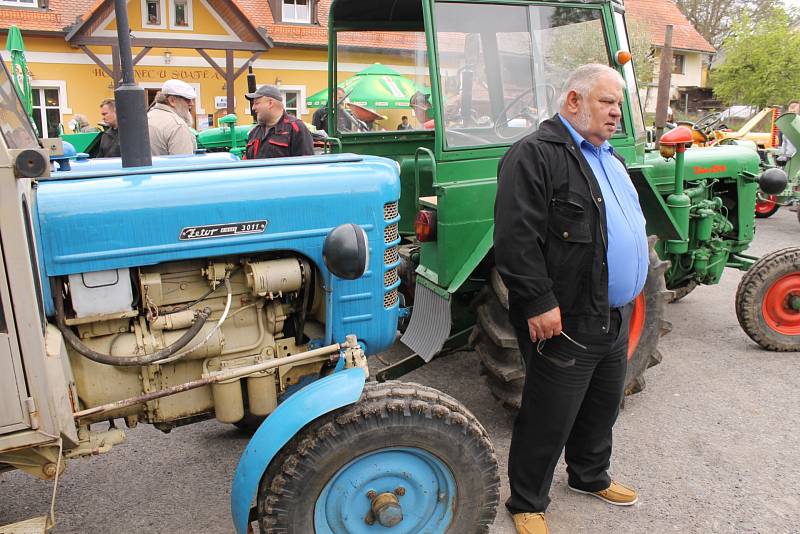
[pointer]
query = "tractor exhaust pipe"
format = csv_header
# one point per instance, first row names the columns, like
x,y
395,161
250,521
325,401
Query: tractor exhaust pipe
x,y
134,136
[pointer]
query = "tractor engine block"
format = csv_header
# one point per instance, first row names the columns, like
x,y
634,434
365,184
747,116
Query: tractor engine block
x,y
261,308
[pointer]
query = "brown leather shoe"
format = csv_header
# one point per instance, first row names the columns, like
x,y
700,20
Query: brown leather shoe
x,y
531,524
615,494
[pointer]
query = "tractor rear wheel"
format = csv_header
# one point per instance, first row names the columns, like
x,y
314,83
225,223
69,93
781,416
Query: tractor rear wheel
x,y
768,301
502,364
405,457
767,206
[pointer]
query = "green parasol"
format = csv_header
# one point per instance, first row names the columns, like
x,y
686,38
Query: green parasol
x,y
375,87
19,68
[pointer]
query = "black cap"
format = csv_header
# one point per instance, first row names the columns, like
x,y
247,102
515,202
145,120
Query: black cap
x,y
265,90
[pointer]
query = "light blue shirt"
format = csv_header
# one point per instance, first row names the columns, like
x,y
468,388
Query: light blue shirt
x,y
627,252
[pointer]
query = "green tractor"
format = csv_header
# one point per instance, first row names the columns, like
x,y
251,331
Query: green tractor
x,y
495,70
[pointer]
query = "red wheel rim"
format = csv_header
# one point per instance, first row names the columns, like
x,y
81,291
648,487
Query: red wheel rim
x,y
778,313
766,205
636,325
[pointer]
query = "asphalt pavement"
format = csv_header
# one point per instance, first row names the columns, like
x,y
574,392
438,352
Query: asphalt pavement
x,y
711,443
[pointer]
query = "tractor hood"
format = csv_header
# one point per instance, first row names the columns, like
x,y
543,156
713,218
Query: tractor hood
x,y
116,218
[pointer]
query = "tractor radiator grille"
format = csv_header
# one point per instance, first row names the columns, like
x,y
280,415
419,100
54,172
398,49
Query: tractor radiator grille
x,y
390,277
391,233
390,211
391,255
390,298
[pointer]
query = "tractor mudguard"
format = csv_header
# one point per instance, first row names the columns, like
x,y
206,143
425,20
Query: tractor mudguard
x,y
317,399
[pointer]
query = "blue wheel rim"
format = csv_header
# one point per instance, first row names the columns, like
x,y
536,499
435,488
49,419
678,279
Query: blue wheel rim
x,y
427,504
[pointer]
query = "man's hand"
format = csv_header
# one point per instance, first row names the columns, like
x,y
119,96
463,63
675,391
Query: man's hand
x,y
546,325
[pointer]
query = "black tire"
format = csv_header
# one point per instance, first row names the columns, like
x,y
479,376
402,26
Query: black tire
x,y
388,415
758,283
682,290
502,364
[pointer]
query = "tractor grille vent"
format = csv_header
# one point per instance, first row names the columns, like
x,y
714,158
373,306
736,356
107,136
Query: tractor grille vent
x,y
391,255
390,298
390,277
391,233
390,211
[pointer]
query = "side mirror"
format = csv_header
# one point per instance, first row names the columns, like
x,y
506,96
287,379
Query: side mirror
x,y
346,251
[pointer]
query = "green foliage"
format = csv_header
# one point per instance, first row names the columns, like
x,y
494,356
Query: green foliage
x,y
760,65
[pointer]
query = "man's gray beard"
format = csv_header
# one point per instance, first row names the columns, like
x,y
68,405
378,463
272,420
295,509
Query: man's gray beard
x,y
186,115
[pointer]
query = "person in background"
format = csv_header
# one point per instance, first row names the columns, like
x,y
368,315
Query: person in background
x,y
787,148
80,124
570,245
404,124
170,120
423,110
277,133
109,141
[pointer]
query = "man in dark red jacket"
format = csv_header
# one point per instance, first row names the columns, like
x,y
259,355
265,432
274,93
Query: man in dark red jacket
x,y
277,133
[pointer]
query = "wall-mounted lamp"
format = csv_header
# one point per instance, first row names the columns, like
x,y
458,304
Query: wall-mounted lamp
x,y
277,81
167,56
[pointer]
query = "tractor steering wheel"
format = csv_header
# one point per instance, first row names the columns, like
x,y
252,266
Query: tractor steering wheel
x,y
499,122
706,124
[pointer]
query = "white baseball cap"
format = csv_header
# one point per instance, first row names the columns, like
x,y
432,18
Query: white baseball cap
x,y
179,88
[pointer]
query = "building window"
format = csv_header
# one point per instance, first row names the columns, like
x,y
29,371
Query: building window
x,y
181,14
678,62
291,101
297,11
154,13
47,111
20,3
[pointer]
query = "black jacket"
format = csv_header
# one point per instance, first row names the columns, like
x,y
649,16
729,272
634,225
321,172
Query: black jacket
x,y
289,137
550,234
109,144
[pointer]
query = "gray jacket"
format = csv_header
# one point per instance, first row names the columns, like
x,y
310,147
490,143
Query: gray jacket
x,y
169,133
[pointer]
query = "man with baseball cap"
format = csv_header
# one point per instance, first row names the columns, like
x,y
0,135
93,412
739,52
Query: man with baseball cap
x,y
170,120
277,133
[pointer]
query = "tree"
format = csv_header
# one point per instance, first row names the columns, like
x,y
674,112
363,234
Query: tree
x,y
760,66
714,19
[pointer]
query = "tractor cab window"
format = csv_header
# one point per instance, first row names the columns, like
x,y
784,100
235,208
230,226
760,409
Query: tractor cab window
x,y
381,77
501,67
15,125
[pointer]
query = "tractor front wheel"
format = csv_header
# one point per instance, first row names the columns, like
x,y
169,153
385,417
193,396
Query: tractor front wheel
x,y
405,457
766,206
768,301
502,364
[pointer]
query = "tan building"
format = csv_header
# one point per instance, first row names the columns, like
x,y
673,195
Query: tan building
x,y
73,58
690,51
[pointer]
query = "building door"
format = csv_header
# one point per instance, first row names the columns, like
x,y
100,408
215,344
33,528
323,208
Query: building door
x,y
13,392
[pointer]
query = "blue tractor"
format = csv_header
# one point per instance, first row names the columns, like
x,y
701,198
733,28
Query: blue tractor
x,y
247,291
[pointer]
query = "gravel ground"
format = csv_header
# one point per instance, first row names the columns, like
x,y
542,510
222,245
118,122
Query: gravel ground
x,y
711,444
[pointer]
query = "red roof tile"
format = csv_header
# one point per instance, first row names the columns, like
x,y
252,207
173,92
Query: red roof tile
x,y
656,14
58,15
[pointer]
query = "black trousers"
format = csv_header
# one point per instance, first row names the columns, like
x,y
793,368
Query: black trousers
x,y
570,402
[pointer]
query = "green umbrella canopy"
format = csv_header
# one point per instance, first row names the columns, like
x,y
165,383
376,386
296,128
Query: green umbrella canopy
x,y
377,86
19,67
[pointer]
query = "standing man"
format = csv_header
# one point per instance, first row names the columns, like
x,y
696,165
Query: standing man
x,y
570,244
787,148
109,140
170,120
277,133
404,124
